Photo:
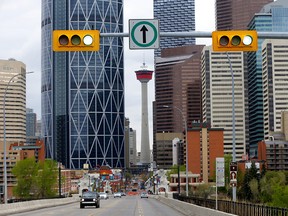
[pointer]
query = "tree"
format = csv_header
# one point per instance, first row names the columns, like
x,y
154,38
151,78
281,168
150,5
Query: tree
x,y
35,180
273,188
25,171
46,179
245,191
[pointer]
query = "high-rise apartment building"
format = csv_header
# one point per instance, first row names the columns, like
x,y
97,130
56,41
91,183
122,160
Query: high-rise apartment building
x,y
31,119
13,101
83,92
275,88
175,16
177,92
272,17
235,14
217,98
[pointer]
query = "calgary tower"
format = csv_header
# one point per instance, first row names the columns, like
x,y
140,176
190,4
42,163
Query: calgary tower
x,y
144,76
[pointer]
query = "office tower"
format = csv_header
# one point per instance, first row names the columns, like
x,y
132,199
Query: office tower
x,y
275,88
31,120
217,97
132,147
177,94
13,102
175,16
272,17
144,76
235,14
83,92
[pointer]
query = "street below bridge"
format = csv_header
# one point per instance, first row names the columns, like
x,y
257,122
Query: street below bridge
x,y
126,206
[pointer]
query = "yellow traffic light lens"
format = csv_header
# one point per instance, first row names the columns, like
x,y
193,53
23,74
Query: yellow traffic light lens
x,y
63,40
75,40
224,40
88,40
236,40
247,40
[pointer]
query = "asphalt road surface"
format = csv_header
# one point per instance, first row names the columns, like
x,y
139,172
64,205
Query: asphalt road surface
x,y
126,206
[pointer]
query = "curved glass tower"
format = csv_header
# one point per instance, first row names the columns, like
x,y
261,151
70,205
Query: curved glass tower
x,y
83,92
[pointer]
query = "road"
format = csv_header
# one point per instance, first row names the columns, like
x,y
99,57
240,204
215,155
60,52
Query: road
x,y
126,206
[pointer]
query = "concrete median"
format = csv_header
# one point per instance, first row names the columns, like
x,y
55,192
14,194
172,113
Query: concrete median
x,y
18,207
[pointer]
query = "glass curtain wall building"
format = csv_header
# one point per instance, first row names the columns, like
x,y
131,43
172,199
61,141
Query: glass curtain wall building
x,y
273,17
83,92
175,16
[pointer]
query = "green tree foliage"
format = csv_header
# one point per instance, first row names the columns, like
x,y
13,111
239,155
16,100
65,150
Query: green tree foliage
x,y
35,180
273,187
245,192
25,172
46,179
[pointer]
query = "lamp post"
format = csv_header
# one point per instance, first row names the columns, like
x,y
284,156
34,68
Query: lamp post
x,y
4,135
185,123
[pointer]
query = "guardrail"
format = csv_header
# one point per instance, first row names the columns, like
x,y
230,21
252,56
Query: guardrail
x,y
238,208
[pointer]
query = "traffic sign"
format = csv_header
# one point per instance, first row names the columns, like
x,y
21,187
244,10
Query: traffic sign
x,y
233,184
233,166
233,176
144,34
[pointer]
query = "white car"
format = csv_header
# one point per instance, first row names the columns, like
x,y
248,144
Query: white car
x,y
118,194
103,195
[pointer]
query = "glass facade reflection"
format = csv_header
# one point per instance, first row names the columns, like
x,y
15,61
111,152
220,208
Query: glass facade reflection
x,y
83,92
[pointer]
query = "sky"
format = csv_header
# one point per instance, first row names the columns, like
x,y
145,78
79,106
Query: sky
x,y
20,38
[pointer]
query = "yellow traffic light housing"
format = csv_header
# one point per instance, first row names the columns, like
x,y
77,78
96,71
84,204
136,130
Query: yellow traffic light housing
x,y
237,40
76,40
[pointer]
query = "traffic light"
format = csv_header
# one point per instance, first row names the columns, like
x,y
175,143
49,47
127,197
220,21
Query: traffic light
x,y
76,40
237,40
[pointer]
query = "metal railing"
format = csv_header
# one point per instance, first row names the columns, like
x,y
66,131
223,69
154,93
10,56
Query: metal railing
x,y
237,208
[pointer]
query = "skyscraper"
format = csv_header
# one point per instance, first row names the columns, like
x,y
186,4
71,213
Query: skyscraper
x,y
13,97
236,14
175,16
272,17
275,88
177,96
217,97
83,92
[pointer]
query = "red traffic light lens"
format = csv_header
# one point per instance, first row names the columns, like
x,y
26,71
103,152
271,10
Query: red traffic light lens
x,y
63,40
236,40
75,40
224,40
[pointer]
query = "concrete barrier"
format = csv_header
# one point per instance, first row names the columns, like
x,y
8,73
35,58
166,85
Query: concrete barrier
x,y
190,209
13,208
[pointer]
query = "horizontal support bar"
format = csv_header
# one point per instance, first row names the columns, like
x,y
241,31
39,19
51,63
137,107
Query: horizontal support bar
x,y
200,34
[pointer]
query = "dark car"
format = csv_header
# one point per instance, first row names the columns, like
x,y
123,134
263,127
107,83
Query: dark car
x,y
90,199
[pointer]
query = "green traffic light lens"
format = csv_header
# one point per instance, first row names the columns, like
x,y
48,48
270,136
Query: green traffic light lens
x,y
247,40
236,40
88,40
63,40
75,40
224,40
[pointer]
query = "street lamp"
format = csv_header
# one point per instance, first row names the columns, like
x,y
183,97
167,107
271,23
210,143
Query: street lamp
x,y
4,131
185,123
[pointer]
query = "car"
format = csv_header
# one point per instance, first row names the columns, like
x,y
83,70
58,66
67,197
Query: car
x,y
90,199
144,195
103,195
117,194
123,194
